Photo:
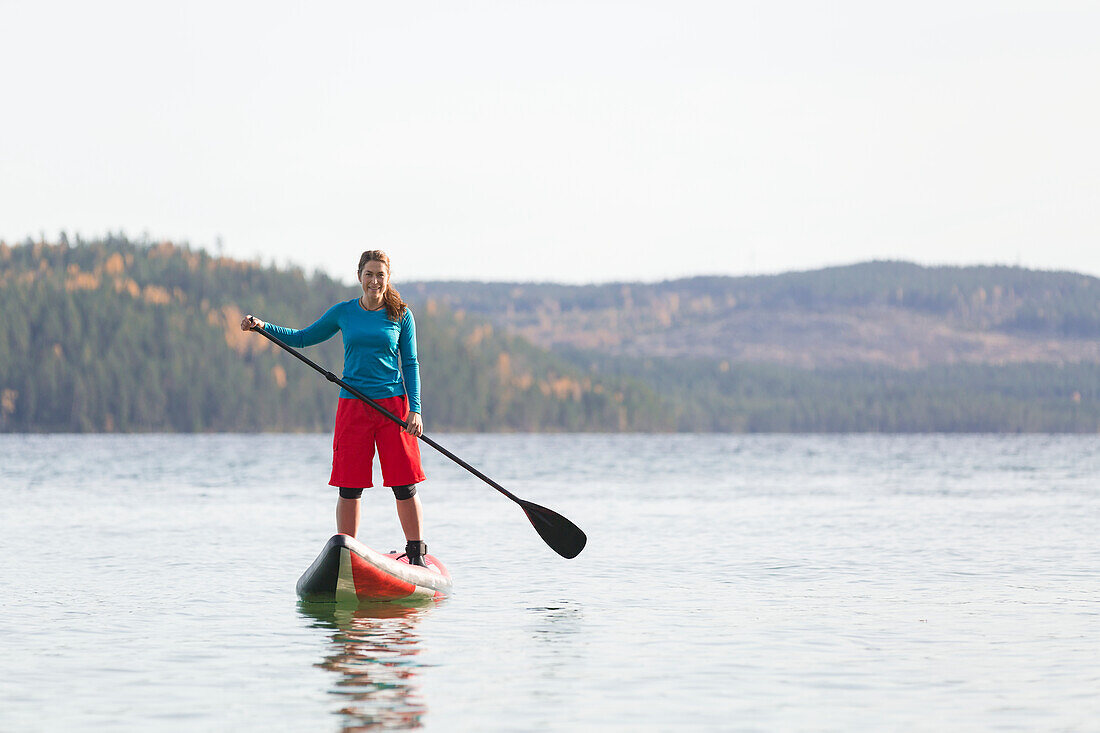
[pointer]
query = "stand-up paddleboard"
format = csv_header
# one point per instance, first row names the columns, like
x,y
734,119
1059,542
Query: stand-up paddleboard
x,y
347,571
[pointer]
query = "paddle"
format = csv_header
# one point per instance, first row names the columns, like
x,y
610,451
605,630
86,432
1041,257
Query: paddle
x,y
564,537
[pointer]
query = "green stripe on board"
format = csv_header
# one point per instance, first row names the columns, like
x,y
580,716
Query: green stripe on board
x,y
345,582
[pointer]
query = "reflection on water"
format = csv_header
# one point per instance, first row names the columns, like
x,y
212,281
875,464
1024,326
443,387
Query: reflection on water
x,y
373,651
557,626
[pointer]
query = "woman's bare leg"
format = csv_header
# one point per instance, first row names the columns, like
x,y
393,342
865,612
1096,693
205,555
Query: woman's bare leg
x,y
347,516
411,516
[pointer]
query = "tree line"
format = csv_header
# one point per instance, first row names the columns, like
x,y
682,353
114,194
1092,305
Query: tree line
x,y
973,398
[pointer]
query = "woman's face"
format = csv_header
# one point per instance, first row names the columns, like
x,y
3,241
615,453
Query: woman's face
x,y
375,277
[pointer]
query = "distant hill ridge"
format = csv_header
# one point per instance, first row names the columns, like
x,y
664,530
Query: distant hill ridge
x,y
894,314
114,335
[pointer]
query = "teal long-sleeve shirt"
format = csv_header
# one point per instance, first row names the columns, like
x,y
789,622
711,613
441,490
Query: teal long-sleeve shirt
x,y
379,354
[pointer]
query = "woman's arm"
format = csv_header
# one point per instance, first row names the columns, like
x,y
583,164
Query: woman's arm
x,y
410,368
320,330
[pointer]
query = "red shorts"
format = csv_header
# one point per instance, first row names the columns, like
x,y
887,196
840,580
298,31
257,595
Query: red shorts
x,y
359,427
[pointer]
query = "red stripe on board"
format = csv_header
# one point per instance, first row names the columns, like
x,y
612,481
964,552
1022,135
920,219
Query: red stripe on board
x,y
373,584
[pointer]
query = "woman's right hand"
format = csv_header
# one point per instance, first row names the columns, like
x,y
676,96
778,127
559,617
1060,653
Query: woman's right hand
x,y
251,322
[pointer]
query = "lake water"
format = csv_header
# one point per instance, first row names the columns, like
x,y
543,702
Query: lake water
x,y
730,583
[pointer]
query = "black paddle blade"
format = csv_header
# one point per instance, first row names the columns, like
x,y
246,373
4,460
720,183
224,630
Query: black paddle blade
x,y
564,537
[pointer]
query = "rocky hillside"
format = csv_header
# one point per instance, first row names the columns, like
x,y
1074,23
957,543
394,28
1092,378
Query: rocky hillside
x,y
890,314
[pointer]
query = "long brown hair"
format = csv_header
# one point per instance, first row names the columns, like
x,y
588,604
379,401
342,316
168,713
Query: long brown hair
x,y
395,307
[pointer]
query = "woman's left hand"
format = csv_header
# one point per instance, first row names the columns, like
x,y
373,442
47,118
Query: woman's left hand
x,y
414,426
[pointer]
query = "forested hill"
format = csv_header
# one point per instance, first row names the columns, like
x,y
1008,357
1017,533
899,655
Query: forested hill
x,y
118,336
877,346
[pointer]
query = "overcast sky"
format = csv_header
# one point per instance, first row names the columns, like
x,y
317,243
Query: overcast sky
x,y
565,141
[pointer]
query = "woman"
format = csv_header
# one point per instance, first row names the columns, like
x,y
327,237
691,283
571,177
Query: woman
x,y
380,361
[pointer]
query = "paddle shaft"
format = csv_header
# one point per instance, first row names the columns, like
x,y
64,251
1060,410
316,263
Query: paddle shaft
x,y
336,380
